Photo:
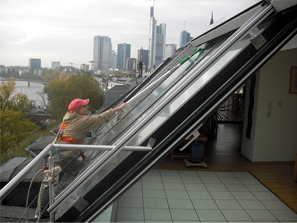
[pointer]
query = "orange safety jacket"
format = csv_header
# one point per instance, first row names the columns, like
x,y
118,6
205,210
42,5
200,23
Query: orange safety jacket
x,y
70,140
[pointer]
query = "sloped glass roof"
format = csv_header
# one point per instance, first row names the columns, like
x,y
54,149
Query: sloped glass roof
x,y
164,110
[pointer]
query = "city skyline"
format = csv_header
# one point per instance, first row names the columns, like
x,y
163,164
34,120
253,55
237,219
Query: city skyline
x,y
64,30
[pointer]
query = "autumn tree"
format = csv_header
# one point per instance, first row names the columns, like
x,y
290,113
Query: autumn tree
x,y
14,109
62,90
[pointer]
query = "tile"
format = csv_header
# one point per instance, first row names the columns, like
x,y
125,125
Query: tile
x,y
183,215
186,173
205,204
275,205
243,174
243,195
228,205
196,194
130,214
224,174
216,187
182,194
258,187
247,180
265,196
236,215
169,173
236,187
210,215
211,180
130,202
230,180
261,215
154,193
152,185
157,214
180,203
133,193
173,179
153,172
155,203
219,195
195,180
152,178
190,187
137,185
251,204
174,186
285,215
206,173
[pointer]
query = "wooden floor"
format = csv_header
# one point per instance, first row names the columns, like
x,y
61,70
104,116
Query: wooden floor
x,y
223,154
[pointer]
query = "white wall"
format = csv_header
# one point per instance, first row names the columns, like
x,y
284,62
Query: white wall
x,y
273,138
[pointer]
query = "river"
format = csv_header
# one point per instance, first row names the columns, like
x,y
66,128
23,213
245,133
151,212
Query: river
x,y
31,91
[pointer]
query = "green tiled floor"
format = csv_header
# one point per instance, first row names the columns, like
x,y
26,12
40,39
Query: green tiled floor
x,y
201,196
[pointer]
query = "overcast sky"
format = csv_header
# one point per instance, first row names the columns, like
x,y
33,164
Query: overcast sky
x,y
64,30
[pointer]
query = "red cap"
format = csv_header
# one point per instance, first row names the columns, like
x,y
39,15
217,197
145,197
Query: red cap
x,y
76,103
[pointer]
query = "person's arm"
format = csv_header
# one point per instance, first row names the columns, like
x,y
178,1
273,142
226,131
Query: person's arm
x,y
120,107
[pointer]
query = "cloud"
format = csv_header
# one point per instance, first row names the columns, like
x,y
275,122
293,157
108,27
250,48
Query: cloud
x,y
64,30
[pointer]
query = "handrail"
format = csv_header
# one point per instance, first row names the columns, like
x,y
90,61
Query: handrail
x,y
18,178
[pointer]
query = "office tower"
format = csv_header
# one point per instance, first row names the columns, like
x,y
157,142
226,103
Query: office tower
x,y
170,49
34,64
129,64
160,44
114,60
55,64
124,52
142,56
152,39
184,38
102,53
211,20
157,42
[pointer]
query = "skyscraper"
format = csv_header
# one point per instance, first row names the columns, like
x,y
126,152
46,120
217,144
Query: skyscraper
x,y
157,41
160,44
34,64
170,49
124,52
184,38
102,56
142,56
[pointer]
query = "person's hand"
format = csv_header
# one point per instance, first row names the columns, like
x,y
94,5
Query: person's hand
x,y
120,107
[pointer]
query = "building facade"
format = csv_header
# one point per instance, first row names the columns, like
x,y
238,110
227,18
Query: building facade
x,y
102,55
160,44
142,56
184,38
55,64
170,49
124,52
34,64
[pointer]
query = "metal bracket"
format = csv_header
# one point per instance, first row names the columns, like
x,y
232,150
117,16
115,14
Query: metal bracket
x,y
195,134
257,39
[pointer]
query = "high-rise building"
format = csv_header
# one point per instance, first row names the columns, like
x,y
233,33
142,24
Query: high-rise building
x,y
184,38
124,52
160,44
157,41
114,60
129,64
55,64
170,49
142,56
34,64
102,56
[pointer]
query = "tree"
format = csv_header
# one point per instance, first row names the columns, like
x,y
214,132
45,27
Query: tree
x,y
14,111
61,91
